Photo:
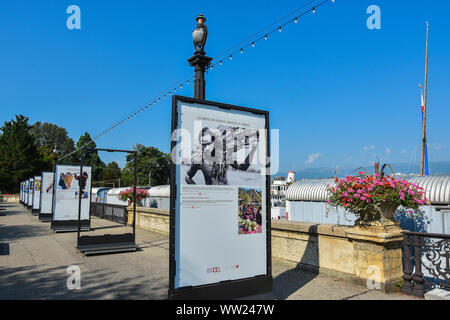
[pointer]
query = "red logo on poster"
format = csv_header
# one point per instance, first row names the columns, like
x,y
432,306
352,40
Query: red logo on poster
x,y
213,270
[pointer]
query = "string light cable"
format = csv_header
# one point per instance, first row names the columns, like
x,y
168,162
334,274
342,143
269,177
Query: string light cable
x,y
226,55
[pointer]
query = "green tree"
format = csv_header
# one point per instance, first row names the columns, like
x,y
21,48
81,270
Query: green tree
x,y
49,135
151,162
111,174
90,156
19,156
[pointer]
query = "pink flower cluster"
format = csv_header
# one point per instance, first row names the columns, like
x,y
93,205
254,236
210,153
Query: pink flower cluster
x,y
128,194
358,193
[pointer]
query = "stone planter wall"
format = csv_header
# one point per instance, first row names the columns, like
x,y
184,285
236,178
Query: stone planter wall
x,y
152,219
13,198
363,255
360,255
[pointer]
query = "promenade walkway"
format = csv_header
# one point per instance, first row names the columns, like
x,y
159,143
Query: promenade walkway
x,y
35,261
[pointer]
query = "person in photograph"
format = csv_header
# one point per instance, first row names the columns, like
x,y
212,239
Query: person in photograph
x,y
50,187
215,173
258,217
82,180
62,181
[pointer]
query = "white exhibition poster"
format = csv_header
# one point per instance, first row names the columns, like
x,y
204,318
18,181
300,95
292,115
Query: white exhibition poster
x,y
21,192
30,192
220,210
46,192
27,191
67,187
37,193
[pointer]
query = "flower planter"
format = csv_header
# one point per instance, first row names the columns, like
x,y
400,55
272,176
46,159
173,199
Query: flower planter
x,y
376,218
374,199
388,210
138,203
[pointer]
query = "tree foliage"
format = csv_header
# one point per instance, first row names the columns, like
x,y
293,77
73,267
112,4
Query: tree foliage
x,y
48,136
111,175
19,155
90,156
150,161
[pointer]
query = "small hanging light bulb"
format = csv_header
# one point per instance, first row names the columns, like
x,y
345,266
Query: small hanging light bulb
x,y
169,93
231,57
314,9
253,44
265,36
242,51
187,82
181,86
296,20
279,28
220,62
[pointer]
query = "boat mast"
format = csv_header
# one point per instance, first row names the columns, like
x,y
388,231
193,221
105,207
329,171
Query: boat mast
x,y
424,129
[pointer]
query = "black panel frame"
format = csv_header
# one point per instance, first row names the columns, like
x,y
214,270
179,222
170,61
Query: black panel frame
x,y
109,243
231,289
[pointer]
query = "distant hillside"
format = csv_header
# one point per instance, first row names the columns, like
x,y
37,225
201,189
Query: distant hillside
x,y
436,168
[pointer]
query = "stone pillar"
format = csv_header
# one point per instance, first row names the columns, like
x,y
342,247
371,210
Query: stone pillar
x,y
130,214
377,255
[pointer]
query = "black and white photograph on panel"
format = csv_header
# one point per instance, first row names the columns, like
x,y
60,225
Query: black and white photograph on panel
x,y
222,154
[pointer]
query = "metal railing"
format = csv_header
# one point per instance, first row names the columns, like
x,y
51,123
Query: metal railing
x,y
112,212
426,262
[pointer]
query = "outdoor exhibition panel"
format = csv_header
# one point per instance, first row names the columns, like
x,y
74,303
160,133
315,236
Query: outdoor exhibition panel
x,y
21,192
46,200
220,244
36,195
110,243
68,181
26,192
30,193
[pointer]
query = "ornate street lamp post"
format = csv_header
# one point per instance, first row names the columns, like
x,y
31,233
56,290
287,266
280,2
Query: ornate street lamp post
x,y
199,60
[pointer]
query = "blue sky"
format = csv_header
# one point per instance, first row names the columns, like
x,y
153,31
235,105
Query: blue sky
x,y
338,92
